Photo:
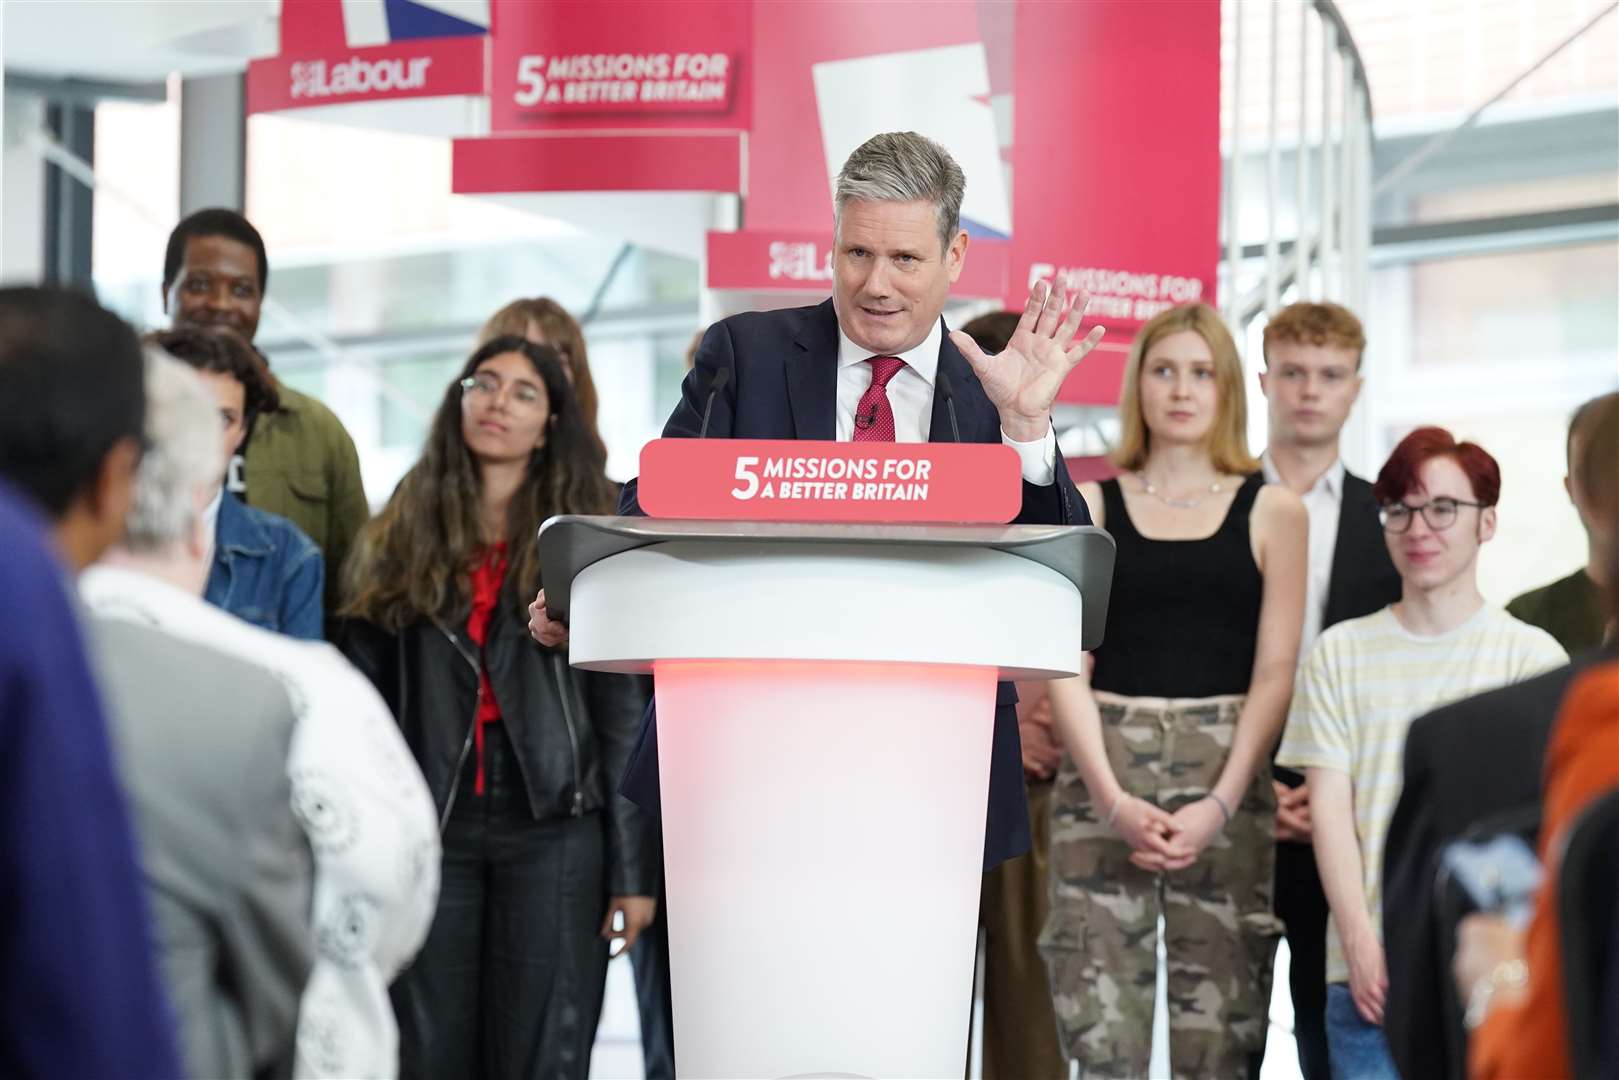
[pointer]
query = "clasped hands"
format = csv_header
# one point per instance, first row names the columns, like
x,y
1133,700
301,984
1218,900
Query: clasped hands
x,y
1022,380
1163,841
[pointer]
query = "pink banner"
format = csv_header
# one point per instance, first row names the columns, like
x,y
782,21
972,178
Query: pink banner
x,y
790,480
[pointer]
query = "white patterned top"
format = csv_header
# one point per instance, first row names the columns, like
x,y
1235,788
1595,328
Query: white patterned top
x,y
363,804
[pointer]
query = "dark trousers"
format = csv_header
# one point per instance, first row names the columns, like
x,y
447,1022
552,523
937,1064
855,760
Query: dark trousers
x,y
653,996
509,984
1302,906
1020,1028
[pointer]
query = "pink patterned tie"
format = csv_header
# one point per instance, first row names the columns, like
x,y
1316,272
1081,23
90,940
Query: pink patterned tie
x,y
874,416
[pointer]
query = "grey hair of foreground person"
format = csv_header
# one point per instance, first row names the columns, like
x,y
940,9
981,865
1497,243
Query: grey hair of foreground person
x,y
180,468
904,167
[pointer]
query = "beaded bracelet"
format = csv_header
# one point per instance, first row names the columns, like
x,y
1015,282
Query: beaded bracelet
x,y
1224,809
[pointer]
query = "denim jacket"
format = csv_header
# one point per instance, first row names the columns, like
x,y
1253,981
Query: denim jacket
x,y
266,571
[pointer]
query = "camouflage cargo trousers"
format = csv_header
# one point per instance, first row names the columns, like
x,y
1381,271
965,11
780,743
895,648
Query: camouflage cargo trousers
x,y
1100,939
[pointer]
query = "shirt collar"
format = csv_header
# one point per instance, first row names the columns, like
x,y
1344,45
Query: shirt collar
x,y
924,359
1330,482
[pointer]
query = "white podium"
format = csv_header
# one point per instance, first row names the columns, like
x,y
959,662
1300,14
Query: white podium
x,y
825,699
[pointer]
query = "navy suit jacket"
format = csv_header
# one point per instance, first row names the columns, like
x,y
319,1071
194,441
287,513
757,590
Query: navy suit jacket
x,y
784,385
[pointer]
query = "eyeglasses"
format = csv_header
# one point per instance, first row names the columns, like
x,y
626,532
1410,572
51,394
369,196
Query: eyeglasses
x,y
1440,514
488,385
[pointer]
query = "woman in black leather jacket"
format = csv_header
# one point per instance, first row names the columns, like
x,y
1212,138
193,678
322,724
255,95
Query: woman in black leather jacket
x,y
522,752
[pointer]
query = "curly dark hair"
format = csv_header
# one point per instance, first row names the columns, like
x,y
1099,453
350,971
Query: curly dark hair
x,y
214,221
224,352
413,562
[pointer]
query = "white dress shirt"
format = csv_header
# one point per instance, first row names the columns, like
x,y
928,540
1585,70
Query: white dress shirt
x,y
910,394
1322,505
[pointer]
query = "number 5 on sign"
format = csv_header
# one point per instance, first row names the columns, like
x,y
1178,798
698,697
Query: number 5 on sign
x,y
530,80
745,473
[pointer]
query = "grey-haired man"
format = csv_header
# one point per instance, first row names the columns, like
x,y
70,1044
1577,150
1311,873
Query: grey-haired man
x,y
862,366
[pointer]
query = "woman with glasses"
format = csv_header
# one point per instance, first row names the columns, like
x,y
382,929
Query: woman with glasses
x,y
1367,679
1163,803
543,321
521,751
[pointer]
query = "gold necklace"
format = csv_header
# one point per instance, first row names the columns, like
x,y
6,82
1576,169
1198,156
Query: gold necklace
x,y
1179,504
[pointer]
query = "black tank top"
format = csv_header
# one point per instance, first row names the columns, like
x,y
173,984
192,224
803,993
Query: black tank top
x,y
1183,619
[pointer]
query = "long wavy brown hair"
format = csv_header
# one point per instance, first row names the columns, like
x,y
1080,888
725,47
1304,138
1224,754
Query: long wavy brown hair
x,y
413,562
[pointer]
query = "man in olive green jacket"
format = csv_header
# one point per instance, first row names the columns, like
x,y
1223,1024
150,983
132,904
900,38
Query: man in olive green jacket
x,y
299,461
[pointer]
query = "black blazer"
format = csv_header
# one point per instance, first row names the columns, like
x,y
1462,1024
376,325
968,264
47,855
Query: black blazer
x,y
1363,576
783,385
1465,761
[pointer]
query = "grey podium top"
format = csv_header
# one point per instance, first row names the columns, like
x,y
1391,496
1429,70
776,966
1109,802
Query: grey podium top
x,y
1081,553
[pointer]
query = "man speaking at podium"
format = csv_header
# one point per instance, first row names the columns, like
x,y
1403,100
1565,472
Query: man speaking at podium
x,y
874,363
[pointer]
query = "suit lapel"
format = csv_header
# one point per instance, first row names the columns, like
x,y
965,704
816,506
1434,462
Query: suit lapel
x,y
812,376
971,404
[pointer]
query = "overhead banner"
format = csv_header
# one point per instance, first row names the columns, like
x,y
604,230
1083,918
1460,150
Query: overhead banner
x,y
620,64
340,54
1088,131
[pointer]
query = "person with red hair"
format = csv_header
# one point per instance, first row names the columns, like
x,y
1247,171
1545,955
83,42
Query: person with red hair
x,y
1364,682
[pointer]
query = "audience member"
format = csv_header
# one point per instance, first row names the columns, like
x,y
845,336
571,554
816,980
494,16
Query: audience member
x,y
543,321
1311,380
298,461
1570,609
1363,683
79,990
1019,1026
202,740
1513,982
355,790
520,750
1164,804
265,570
1468,761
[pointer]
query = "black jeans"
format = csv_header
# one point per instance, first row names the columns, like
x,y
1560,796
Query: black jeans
x,y
653,996
1302,905
509,984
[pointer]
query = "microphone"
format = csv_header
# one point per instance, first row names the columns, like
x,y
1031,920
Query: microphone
x,y
721,377
941,381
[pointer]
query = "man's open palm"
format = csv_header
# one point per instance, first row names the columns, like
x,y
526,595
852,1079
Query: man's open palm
x,y
1023,379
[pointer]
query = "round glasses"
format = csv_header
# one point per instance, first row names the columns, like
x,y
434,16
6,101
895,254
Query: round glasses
x,y
1440,514
487,385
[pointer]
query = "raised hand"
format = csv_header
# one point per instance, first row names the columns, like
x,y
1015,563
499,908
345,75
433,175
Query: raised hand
x,y
1023,379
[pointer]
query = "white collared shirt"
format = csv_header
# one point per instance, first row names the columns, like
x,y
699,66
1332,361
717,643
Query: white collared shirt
x,y
1322,505
910,394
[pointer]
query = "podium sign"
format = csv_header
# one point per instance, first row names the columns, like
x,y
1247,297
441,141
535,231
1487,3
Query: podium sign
x,y
792,480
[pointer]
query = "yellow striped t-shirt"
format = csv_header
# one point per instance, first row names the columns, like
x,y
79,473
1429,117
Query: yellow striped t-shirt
x,y
1357,693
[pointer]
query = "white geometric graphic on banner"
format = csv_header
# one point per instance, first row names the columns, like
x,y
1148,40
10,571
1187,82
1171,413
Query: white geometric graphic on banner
x,y
941,93
365,23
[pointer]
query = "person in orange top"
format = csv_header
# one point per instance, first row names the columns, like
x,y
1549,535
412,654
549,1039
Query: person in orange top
x,y
1517,981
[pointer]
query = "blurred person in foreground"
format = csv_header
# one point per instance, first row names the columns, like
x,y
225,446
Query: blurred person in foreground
x,y
1363,684
1570,609
202,747
541,857
1476,759
1163,803
79,987
299,460
355,792
264,569
1020,1028
1311,380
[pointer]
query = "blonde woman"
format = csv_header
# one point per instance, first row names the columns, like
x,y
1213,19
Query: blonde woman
x,y
1163,804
